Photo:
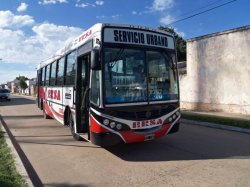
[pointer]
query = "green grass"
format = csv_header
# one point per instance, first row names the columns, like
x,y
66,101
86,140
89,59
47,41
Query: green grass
x,y
9,177
217,119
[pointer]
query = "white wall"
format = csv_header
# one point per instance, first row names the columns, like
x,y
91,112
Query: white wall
x,y
218,73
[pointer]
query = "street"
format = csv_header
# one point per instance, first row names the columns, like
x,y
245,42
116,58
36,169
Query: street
x,y
195,156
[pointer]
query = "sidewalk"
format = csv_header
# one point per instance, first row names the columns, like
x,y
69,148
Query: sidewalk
x,y
227,121
219,114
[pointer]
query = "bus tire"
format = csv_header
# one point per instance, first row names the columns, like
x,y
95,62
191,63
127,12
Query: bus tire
x,y
72,129
45,115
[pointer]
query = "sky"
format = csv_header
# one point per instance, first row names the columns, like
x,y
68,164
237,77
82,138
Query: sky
x,y
32,30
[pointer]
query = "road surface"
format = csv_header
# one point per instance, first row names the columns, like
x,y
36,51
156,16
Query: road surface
x,y
195,156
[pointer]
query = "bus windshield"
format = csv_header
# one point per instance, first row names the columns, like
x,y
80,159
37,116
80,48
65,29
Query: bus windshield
x,y
136,75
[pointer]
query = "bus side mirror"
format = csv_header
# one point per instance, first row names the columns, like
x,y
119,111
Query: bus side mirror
x,y
95,59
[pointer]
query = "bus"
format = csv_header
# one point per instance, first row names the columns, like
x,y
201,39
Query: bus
x,y
113,84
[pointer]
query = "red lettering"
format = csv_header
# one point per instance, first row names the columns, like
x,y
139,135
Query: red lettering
x,y
49,93
152,122
134,124
159,122
58,95
55,94
85,35
138,124
146,123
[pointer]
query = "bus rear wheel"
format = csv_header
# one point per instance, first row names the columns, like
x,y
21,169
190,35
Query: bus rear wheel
x,y
72,129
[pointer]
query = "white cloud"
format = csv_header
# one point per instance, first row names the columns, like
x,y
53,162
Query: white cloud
x,y
18,47
101,17
167,19
22,7
99,2
182,34
82,5
9,20
46,2
161,5
116,16
134,12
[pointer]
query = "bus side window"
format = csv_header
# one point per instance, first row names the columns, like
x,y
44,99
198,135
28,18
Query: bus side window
x,y
47,75
43,76
70,69
60,71
95,88
53,74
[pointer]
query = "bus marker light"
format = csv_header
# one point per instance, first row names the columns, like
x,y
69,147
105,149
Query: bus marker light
x,y
112,125
106,122
119,126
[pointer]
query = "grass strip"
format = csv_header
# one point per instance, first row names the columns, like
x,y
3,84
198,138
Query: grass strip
x,y
235,122
9,177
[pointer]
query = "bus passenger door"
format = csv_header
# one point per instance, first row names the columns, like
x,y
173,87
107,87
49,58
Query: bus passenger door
x,y
82,97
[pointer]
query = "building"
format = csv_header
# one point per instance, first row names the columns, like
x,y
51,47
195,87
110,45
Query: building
x,y
218,72
14,85
30,90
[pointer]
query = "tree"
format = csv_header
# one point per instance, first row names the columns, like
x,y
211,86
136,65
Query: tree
x,y
22,78
180,43
22,84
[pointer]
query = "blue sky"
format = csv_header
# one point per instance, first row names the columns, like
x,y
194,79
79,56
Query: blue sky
x,y
32,30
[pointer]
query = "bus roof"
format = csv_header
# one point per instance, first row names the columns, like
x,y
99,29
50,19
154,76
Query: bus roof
x,y
88,35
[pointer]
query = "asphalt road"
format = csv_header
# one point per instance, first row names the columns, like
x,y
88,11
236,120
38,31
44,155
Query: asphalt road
x,y
195,156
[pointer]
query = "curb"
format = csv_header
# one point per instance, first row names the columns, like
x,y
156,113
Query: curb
x,y
215,125
17,160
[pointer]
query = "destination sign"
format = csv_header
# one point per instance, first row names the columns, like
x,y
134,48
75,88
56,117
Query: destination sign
x,y
138,37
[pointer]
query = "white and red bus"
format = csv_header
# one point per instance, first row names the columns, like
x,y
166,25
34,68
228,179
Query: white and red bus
x,y
113,84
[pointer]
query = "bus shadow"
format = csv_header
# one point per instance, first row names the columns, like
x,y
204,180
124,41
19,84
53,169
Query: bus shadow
x,y
177,147
23,117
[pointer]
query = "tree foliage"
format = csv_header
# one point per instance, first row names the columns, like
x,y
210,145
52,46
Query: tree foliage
x,y
180,43
22,78
22,84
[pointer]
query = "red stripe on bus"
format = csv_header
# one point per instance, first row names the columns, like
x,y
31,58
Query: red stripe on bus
x,y
58,114
95,126
47,109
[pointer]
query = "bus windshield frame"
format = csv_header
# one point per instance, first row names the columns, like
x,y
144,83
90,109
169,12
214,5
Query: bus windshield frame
x,y
139,75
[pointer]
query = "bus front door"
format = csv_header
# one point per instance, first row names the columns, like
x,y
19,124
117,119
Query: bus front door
x,y
82,102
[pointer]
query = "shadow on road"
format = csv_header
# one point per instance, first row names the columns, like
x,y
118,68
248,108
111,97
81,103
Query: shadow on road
x,y
181,146
23,117
17,101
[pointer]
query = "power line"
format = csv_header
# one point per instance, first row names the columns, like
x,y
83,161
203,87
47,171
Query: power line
x,y
202,12
202,7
